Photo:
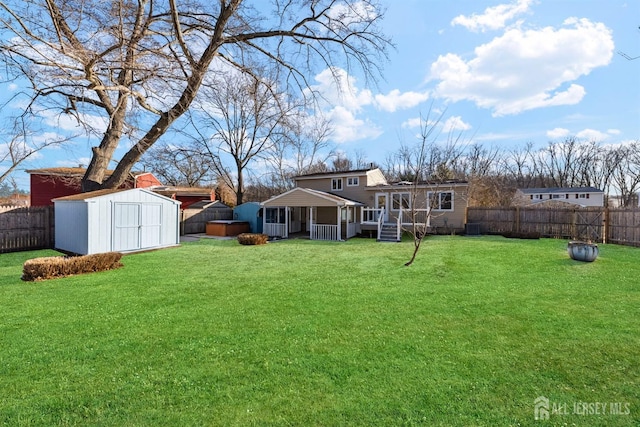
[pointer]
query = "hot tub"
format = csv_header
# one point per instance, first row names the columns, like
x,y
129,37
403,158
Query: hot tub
x,y
226,228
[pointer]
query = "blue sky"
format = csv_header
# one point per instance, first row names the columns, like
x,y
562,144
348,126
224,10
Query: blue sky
x,y
505,72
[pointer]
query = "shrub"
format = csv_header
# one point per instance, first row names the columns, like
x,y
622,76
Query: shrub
x,y
252,239
521,234
51,267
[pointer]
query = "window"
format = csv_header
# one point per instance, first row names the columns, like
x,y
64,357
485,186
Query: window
x,y
275,216
353,181
441,201
336,184
582,196
400,200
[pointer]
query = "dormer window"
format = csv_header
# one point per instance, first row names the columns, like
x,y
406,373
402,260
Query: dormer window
x,y
336,184
353,181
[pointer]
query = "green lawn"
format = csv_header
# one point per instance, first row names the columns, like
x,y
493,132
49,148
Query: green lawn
x,y
313,333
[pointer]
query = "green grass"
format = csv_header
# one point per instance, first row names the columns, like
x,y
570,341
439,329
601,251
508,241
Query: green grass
x,y
312,333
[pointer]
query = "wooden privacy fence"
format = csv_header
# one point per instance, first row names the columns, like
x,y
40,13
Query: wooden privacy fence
x,y
195,220
603,225
26,228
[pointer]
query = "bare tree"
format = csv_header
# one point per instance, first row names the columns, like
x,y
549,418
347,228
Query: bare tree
x,y
304,150
140,65
626,177
180,164
240,121
22,143
427,165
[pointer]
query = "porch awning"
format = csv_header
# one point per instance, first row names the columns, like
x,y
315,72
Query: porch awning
x,y
302,197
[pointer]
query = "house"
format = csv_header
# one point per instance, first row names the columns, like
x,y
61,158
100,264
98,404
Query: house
x,y
50,183
116,220
580,196
340,205
187,195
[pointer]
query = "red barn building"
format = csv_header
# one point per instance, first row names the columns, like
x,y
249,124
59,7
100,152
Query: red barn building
x,y
51,183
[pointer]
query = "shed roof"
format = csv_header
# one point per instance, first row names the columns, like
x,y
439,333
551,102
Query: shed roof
x,y
101,193
301,197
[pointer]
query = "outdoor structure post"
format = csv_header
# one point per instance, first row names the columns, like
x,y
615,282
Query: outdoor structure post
x,y
339,232
264,218
311,222
286,222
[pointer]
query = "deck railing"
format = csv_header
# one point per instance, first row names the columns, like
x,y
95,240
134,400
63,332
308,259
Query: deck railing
x,y
371,215
324,232
275,230
380,221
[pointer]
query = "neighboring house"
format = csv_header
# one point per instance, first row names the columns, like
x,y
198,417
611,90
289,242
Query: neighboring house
x,y
581,196
50,183
340,205
187,195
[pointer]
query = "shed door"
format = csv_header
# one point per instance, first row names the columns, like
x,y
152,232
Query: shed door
x,y
126,226
136,226
151,225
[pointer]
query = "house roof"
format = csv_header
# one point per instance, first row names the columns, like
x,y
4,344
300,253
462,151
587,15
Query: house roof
x,y
74,172
552,190
374,176
300,197
183,191
332,173
208,204
431,185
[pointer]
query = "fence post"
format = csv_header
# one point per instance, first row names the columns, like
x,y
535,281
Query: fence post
x,y
605,225
517,230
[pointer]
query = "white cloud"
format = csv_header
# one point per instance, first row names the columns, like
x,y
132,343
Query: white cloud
x,y
455,123
396,100
526,69
346,127
613,131
592,135
338,88
557,133
412,123
345,15
493,18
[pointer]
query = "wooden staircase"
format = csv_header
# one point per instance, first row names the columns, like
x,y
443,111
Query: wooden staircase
x,y
389,232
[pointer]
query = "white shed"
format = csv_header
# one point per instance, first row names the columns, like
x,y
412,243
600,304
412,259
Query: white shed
x,y
116,220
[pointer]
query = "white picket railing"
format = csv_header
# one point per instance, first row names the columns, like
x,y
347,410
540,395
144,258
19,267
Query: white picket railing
x,y
275,230
324,232
371,215
380,221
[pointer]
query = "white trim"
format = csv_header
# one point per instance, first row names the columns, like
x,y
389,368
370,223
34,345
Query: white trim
x,y
440,192
334,186
400,193
339,201
355,181
386,205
